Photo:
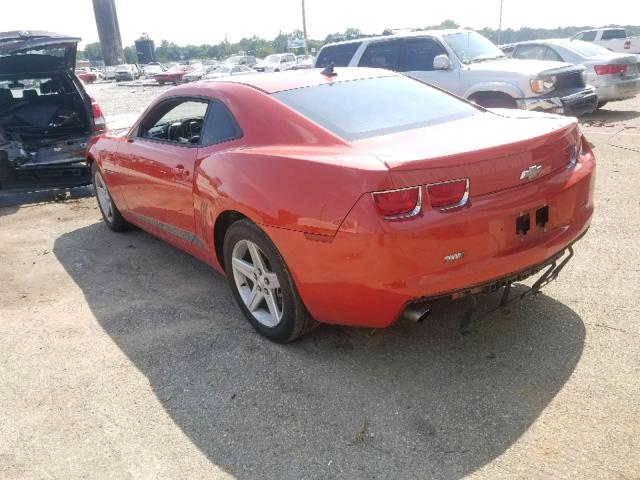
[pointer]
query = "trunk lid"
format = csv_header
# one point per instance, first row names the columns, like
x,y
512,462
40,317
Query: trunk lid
x,y
36,51
492,149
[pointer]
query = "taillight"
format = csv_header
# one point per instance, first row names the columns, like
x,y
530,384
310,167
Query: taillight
x,y
448,195
396,204
610,69
627,45
98,117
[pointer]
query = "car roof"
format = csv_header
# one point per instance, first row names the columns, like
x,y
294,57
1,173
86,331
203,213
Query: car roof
x,y
552,41
31,34
292,79
419,33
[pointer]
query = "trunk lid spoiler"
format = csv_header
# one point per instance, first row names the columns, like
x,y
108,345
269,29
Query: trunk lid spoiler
x,y
494,152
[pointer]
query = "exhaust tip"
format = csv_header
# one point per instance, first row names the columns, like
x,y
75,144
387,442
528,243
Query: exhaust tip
x,y
416,313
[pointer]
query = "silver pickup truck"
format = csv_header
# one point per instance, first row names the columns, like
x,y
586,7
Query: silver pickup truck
x,y
470,66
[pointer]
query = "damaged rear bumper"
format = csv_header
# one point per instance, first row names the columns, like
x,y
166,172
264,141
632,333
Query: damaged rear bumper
x,y
418,310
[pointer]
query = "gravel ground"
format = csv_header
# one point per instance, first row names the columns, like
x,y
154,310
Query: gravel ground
x,y
122,357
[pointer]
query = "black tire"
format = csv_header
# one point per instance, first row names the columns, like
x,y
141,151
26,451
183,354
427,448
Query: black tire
x,y
495,100
296,320
117,223
7,174
601,104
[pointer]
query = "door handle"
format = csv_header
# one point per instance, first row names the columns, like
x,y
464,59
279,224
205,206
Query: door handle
x,y
179,170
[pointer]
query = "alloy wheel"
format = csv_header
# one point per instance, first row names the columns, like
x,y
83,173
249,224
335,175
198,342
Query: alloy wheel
x,y
257,283
104,199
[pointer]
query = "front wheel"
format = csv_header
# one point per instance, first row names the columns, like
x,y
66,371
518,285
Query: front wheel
x,y
110,213
262,285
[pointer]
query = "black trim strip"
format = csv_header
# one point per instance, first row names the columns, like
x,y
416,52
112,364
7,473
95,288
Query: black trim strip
x,y
172,230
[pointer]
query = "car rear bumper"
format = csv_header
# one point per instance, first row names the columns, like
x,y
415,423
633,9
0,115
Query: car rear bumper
x,y
371,270
574,104
620,90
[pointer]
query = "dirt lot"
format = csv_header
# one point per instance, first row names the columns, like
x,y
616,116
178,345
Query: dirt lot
x,y
121,357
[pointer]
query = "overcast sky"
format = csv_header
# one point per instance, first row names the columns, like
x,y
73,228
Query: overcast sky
x,y
207,21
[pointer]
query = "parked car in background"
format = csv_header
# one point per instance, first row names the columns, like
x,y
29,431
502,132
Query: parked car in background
x,y
198,73
470,66
46,116
615,76
110,73
246,60
277,62
126,72
227,70
305,59
614,39
403,193
99,73
303,62
173,75
86,75
151,70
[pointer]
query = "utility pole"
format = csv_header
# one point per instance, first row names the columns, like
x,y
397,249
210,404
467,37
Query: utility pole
x,y
500,23
304,29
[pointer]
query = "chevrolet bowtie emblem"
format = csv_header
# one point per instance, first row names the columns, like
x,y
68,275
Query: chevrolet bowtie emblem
x,y
531,172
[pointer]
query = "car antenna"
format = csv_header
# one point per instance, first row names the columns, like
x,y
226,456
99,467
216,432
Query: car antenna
x,y
328,71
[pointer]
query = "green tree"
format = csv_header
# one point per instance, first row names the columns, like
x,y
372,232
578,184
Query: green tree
x,y
93,51
130,55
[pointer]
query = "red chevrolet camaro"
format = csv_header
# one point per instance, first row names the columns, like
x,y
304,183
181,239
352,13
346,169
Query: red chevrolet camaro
x,y
352,197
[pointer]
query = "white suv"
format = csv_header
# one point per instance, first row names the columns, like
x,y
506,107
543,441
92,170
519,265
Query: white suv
x,y
276,63
469,65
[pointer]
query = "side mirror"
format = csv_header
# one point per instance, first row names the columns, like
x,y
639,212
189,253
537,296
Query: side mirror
x,y
442,62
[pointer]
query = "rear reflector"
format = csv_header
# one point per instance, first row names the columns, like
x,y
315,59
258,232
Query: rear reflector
x,y
394,204
448,195
610,69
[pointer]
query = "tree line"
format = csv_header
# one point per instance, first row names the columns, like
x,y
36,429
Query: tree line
x,y
168,51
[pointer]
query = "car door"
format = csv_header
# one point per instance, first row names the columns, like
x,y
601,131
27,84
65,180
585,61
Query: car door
x,y
417,62
156,166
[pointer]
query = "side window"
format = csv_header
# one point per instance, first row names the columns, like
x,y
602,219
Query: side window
x,y
220,125
177,121
553,55
419,54
613,33
530,52
382,55
339,55
508,51
588,36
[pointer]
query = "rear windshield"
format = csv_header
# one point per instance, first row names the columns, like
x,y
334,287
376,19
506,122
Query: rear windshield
x,y
587,49
376,106
614,33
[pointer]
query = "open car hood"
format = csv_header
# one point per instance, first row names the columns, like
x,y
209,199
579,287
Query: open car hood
x,y
36,51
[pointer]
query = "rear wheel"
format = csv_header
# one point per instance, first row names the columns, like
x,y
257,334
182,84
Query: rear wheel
x,y
110,213
262,285
601,104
